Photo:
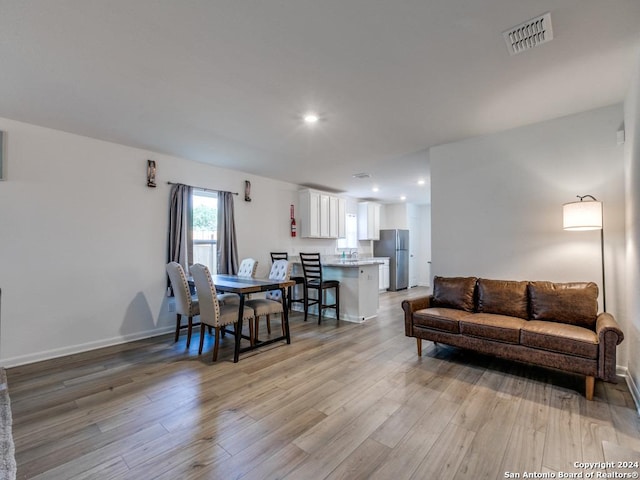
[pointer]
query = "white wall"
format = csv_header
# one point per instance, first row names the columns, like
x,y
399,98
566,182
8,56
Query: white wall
x,y
632,170
83,239
497,203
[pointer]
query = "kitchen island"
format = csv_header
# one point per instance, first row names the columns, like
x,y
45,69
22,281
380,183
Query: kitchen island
x,y
358,287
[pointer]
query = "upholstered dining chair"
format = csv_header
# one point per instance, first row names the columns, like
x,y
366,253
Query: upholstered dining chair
x,y
185,303
312,268
212,313
247,269
296,278
272,303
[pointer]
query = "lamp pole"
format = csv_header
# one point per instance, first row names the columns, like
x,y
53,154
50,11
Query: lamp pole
x,y
604,290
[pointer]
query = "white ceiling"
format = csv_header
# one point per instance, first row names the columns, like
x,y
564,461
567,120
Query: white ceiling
x,y
226,81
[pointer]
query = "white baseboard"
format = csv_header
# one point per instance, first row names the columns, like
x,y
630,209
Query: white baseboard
x,y
633,388
70,350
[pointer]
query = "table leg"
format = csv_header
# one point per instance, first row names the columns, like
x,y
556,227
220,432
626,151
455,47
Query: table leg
x,y
285,316
236,353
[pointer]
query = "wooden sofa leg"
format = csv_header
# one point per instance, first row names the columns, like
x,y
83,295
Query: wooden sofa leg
x,y
419,340
589,384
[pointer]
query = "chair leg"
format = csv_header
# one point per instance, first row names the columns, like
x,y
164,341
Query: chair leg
x,y
252,335
289,295
338,304
284,332
189,330
306,303
256,329
215,345
202,333
268,324
178,319
419,341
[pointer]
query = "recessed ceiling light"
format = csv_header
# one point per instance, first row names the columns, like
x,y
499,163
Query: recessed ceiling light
x,y
375,189
420,182
311,118
403,198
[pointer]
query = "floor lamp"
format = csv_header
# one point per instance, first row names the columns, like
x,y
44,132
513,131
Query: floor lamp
x,y
581,215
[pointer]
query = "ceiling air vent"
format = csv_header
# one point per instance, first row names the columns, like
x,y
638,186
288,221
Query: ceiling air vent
x,y
529,34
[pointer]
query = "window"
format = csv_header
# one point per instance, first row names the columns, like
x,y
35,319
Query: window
x,y
205,228
351,230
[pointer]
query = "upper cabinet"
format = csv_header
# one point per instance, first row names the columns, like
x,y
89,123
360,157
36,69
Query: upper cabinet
x,y
322,215
368,221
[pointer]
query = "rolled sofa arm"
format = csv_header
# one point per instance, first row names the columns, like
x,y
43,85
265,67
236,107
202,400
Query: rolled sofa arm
x,y
410,306
609,336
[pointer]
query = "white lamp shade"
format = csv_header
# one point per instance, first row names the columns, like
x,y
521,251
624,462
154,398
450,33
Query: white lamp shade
x,y
582,215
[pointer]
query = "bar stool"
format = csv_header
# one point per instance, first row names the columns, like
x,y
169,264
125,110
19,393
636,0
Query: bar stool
x,y
312,268
299,281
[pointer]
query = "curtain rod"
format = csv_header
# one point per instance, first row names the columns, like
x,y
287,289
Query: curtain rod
x,y
202,188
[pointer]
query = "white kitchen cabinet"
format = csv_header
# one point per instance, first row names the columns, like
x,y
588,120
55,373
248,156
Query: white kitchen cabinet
x,y
337,217
368,221
383,278
333,217
342,217
325,216
309,214
322,215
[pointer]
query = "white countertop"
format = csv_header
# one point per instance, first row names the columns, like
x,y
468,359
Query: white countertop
x,y
336,261
348,262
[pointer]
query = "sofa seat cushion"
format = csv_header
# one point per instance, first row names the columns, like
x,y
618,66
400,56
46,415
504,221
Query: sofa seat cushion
x,y
560,337
502,328
445,319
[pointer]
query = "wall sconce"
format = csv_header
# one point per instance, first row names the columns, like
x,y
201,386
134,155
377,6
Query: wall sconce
x,y
581,216
151,173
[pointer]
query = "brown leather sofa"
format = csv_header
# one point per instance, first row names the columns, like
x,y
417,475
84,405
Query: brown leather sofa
x,y
554,325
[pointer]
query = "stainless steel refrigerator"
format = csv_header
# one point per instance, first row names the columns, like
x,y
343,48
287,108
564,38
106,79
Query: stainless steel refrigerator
x,y
395,245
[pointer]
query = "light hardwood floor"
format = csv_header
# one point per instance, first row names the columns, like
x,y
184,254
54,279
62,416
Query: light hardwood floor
x,y
352,401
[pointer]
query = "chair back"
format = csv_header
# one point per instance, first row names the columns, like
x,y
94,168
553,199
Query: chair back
x,y
248,268
180,288
280,270
207,297
279,256
312,268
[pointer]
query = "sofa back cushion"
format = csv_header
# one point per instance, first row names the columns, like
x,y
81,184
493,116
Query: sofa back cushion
x,y
503,297
572,303
454,292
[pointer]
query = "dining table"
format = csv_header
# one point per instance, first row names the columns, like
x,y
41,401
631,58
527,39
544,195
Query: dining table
x,y
245,286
